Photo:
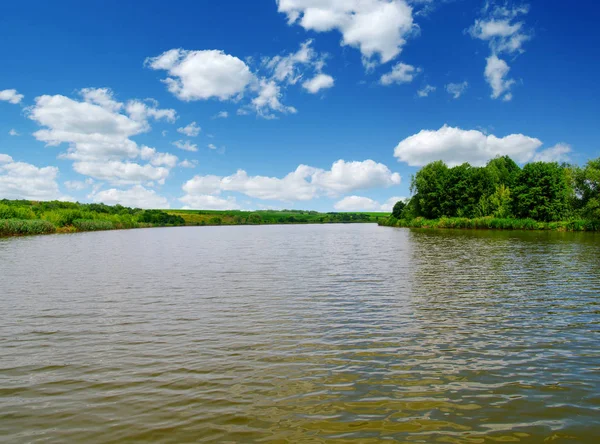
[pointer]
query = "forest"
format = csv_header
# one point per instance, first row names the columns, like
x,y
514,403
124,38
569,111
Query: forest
x,y
540,195
23,217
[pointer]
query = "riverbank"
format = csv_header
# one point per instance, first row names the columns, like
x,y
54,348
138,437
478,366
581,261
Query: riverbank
x,y
26,218
492,223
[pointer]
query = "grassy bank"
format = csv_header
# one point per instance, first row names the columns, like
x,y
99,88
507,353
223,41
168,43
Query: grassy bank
x,y
23,217
492,223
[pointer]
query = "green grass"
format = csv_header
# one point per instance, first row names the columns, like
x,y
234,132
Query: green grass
x,y
491,223
22,227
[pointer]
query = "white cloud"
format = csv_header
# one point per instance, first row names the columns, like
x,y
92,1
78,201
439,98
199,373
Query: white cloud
x,y
456,146
557,153
426,90
401,73
358,203
93,132
212,146
186,145
98,132
268,100
221,115
496,71
201,75
375,27
20,180
206,202
504,36
11,96
13,132
192,130
103,97
500,31
319,82
136,197
78,185
188,164
457,89
122,173
290,68
305,183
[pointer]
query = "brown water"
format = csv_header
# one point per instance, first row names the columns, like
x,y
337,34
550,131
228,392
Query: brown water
x,y
337,333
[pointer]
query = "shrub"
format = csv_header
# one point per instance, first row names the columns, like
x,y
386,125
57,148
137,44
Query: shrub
x,y
92,225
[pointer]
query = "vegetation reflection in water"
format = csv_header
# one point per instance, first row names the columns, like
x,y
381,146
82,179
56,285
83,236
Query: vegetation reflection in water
x,y
415,336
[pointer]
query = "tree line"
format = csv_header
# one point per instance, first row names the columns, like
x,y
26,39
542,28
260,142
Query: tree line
x,y
540,191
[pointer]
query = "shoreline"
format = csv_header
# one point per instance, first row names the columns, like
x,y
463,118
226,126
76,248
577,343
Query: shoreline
x,y
73,230
491,223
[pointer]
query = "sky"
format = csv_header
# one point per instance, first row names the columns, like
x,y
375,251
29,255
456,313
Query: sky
x,y
329,105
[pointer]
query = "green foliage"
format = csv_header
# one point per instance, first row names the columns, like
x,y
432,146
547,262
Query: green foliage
x,y
92,225
157,217
542,192
398,209
17,227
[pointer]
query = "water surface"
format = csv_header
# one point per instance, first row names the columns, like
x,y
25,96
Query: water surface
x,y
336,333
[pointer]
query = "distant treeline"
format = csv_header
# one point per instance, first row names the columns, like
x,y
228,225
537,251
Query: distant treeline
x,y
23,217
541,195
236,217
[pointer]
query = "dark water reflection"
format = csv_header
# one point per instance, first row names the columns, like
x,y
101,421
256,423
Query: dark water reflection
x,y
344,333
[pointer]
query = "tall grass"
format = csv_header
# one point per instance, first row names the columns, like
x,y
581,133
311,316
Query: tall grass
x,y
20,227
92,225
492,223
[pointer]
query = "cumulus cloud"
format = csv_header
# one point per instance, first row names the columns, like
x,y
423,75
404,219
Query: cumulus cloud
x,y
78,185
98,131
11,96
426,90
202,75
359,203
13,132
401,73
122,173
456,146
319,82
305,183
557,153
213,74
20,180
186,145
208,202
376,27
191,130
188,163
496,71
457,89
136,197
505,35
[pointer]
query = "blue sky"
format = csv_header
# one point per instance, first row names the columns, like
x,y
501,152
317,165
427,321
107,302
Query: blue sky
x,y
314,104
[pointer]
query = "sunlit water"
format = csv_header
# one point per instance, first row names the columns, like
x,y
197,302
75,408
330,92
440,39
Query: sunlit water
x,y
337,333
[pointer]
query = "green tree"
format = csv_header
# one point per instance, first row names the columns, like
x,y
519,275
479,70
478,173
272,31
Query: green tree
x,y
542,192
429,189
398,208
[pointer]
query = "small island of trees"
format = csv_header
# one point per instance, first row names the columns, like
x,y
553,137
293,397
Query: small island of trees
x,y
502,195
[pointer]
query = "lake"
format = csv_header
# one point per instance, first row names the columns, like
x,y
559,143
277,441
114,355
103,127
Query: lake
x,y
318,333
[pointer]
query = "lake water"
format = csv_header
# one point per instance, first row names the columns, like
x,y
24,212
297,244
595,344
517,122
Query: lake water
x,y
293,334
